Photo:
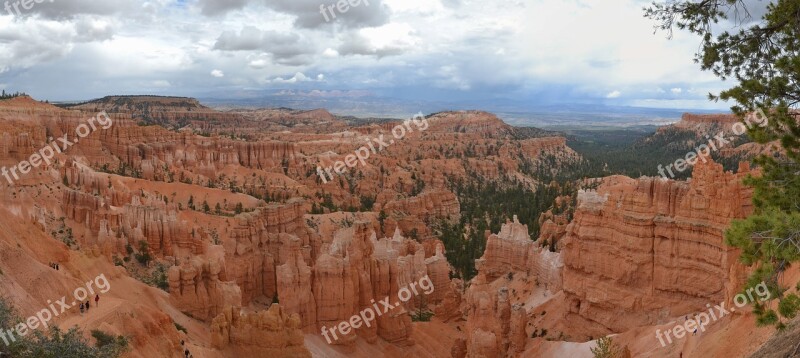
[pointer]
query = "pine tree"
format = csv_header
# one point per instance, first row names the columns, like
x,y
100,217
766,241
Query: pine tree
x,y
762,57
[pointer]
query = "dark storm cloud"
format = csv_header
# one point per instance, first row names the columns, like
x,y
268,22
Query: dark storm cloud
x,y
368,13
67,9
218,7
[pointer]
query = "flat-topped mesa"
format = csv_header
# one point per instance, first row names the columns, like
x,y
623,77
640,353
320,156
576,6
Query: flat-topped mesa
x,y
641,251
484,124
506,251
693,121
711,124
300,119
156,109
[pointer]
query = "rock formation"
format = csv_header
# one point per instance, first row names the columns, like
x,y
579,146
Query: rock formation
x,y
268,334
495,328
642,250
506,251
201,289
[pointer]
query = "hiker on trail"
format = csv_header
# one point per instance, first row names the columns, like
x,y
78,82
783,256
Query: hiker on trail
x,y
87,306
81,309
97,300
186,353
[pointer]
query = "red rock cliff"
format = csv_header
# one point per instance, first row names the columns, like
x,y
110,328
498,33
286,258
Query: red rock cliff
x,y
642,250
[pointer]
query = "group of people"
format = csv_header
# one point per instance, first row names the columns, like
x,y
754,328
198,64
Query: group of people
x,y
85,306
186,350
54,266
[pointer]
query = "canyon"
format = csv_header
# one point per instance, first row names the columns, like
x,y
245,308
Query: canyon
x,y
215,221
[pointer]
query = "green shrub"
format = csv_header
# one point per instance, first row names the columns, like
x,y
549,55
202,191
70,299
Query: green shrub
x,y
143,256
421,316
55,343
181,328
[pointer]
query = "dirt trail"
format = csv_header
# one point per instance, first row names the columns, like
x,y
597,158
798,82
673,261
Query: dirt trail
x,y
95,317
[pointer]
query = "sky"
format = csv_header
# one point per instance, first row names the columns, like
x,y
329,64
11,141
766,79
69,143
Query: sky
x,y
535,51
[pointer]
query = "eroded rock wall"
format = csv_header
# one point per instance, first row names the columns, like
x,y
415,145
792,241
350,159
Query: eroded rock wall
x,y
642,250
272,333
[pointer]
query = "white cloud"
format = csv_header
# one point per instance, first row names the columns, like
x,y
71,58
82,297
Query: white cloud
x,y
329,52
483,49
258,64
388,40
298,77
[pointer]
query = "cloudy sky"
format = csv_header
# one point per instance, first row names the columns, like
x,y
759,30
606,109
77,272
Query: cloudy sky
x,y
542,51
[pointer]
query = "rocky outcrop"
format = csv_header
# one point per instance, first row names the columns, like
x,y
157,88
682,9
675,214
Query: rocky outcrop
x,y
412,214
553,227
495,328
495,325
506,251
356,272
438,270
328,280
546,267
265,239
118,218
200,288
273,333
434,204
642,250
512,251
294,287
